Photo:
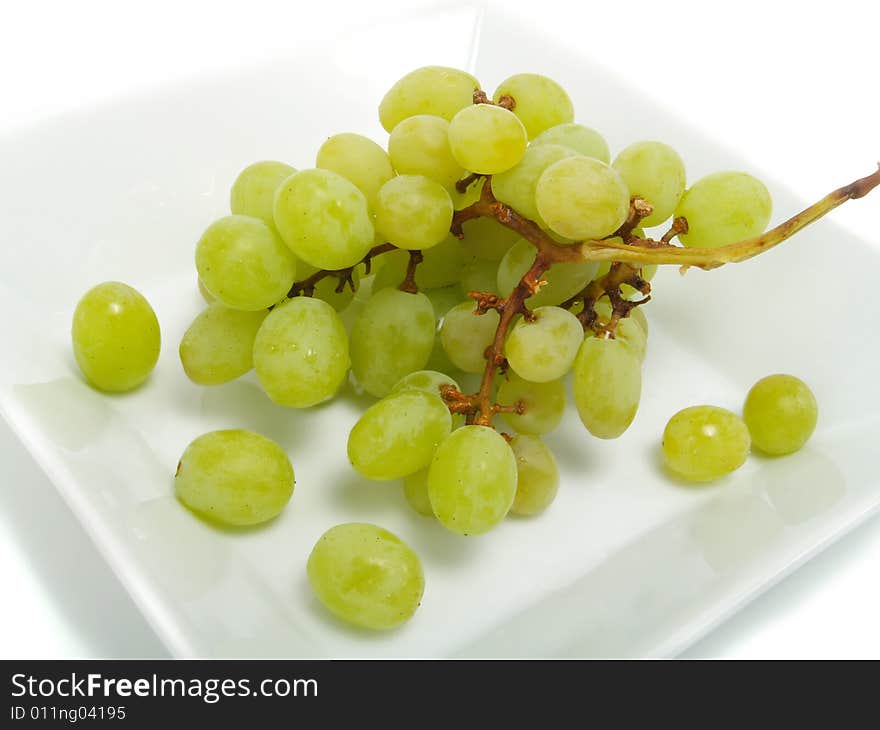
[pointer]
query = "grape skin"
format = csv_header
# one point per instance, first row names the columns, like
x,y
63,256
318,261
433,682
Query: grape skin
x,y
537,476
415,490
653,171
253,192
541,103
359,160
419,145
487,139
465,336
436,90
583,140
781,414
544,348
704,443
607,386
413,212
543,403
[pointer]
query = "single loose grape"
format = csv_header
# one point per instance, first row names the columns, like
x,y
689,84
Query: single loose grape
x,y
419,145
581,139
415,489
487,139
236,477
563,280
781,413
472,480
543,404
487,239
653,171
537,476
413,212
366,576
219,344
541,103
115,337
465,336
702,443
359,160
544,348
435,90
516,186
607,386
253,192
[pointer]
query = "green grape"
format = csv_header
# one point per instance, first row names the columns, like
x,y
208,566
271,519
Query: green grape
x,y
392,336
564,280
607,386
427,381
487,139
115,337
541,103
583,140
206,295
702,443
628,330
243,263
434,90
366,576
443,299
724,208
419,145
415,489
359,160
544,348
439,361
324,219
781,413
543,404
537,476
479,276
582,198
301,353
413,212
253,192
235,477
441,266
487,239
326,288
655,172
470,196
516,186
638,316
465,336
472,480
219,344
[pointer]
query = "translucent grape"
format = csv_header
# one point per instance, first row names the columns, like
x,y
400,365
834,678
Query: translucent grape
x,y
564,280
655,172
607,386
115,337
537,476
253,192
516,186
544,349
413,212
582,198
392,336
487,139
781,413
581,139
419,145
427,381
469,196
415,489
235,477
466,335
443,299
723,208
243,263
472,480
219,344
326,288
441,266
398,435
301,353
543,404
702,443
479,276
366,576
541,103
324,219
487,239
359,160
206,295
435,90
628,329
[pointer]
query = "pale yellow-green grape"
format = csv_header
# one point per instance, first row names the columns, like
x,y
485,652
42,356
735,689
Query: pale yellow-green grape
x,y
324,219
487,239
443,299
398,435
413,211
516,186
438,360
781,413
243,263
359,160
628,329
479,276
487,139
415,489
607,386
219,344
253,192
653,171
366,576
392,336
564,280
537,476
638,316
427,381
544,349
543,404
582,198
723,208
441,266
472,480
419,145
115,337
702,443
236,477
434,90
466,335
301,353
581,139
206,295
541,103
469,196
326,288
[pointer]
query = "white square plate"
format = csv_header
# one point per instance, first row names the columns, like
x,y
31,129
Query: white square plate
x,y
624,563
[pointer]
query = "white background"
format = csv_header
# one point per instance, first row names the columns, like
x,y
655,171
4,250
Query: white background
x,y
793,86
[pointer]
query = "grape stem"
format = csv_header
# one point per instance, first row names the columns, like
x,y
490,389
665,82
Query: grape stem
x,y
306,287
409,282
